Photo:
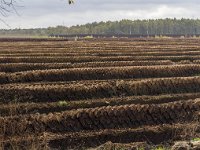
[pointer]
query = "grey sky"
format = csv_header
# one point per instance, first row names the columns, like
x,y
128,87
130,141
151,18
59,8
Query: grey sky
x,y
44,13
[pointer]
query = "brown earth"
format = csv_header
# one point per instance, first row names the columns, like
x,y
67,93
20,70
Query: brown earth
x,y
126,93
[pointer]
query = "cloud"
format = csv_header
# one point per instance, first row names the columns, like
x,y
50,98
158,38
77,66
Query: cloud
x,y
44,13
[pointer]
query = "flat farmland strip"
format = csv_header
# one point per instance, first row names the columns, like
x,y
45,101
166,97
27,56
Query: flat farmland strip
x,y
80,47
88,139
90,51
112,44
148,134
124,116
55,91
101,73
196,61
101,53
18,67
31,39
45,108
93,59
51,92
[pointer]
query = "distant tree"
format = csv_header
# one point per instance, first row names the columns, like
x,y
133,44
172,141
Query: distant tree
x,y
134,27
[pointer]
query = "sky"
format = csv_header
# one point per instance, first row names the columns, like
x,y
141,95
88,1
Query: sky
x,y
45,13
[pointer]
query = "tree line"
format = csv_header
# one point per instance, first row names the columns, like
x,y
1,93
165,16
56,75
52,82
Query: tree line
x,y
133,27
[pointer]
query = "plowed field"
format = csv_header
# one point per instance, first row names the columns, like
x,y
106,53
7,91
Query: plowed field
x,y
78,95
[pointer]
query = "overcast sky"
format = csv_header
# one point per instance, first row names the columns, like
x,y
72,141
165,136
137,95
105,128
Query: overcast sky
x,y
45,13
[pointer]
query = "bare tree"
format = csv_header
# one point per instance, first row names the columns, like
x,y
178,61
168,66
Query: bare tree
x,y
7,6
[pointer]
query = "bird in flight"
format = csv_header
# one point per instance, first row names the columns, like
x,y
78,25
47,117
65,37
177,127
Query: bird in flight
x,y
71,1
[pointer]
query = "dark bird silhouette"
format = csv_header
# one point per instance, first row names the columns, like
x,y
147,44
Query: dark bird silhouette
x,y
71,1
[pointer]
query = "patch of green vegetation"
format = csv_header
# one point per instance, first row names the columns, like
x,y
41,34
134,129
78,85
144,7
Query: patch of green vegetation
x,y
159,148
196,139
63,103
154,148
88,37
